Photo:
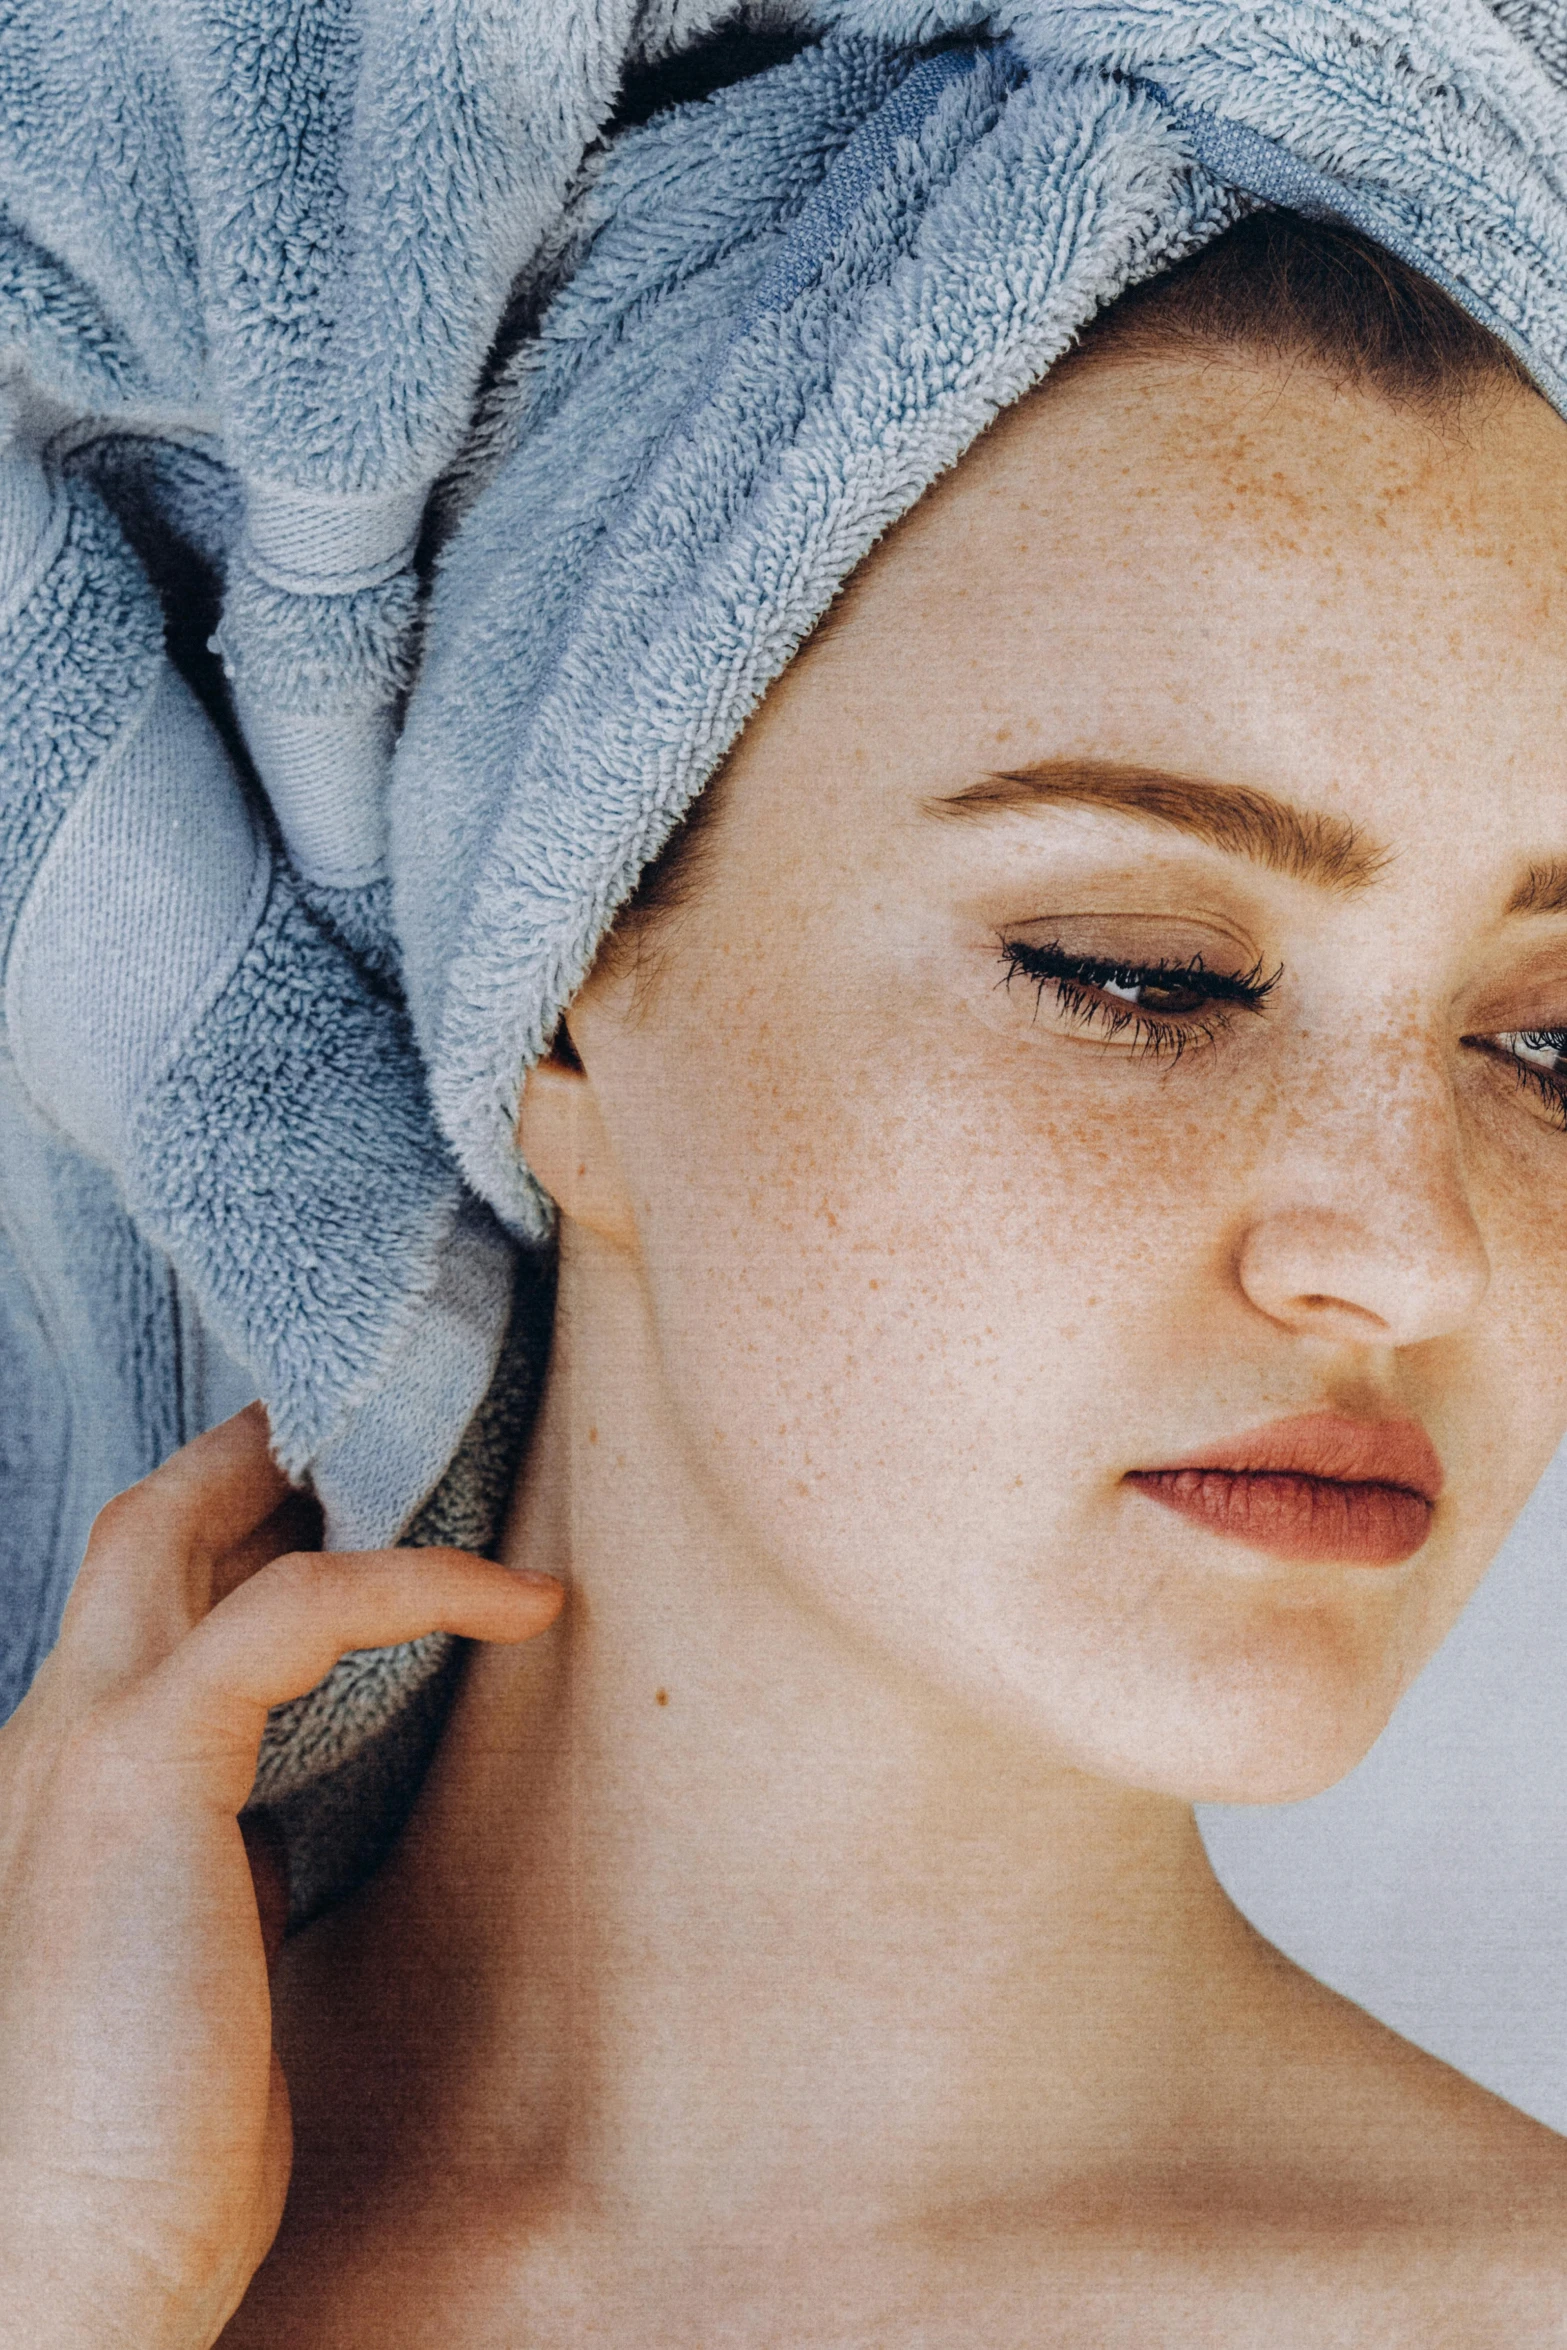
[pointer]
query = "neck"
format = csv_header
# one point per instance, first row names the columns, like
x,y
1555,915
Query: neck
x,y
737,1923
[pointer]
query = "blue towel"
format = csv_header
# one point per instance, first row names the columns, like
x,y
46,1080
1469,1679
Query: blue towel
x,y
412,473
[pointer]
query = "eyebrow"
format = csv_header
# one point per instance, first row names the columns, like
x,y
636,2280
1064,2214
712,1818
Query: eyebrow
x,y
1327,850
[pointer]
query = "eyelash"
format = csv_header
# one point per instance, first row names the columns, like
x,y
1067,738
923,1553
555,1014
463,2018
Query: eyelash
x,y
1549,1088
1154,1036
1075,976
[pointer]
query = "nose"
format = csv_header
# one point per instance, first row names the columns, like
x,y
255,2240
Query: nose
x,y
1375,1245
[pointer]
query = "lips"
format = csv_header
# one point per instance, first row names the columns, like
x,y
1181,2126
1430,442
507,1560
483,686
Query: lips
x,y
1320,1489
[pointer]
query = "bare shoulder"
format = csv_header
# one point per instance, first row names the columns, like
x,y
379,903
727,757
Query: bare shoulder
x,y
1365,2194
1425,2118
1414,2175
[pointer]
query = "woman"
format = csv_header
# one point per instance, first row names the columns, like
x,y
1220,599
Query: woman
x,y
1057,1175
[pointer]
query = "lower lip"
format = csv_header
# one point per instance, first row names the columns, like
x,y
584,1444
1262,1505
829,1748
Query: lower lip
x,y
1315,1519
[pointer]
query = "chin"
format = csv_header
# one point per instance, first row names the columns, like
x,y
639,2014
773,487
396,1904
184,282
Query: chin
x,y
1280,1766
1272,1717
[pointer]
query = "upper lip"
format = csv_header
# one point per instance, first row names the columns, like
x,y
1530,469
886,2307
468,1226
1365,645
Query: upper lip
x,y
1325,1444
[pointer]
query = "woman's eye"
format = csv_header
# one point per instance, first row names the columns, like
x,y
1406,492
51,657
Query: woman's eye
x,y
1154,1007
1538,1057
1151,993
1539,1048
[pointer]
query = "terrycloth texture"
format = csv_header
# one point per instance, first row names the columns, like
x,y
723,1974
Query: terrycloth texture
x,y
158,960
280,237
90,1382
291,291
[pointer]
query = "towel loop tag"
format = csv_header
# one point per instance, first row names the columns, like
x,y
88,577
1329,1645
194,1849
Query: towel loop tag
x,y
325,770
319,545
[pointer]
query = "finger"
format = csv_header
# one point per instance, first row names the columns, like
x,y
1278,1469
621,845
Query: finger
x,y
214,1490
282,1631
147,1573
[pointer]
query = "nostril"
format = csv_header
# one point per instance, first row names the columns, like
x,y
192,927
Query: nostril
x,y
1393,1281
1323,1304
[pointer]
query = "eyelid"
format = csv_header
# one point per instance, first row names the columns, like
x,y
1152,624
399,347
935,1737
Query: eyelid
x,y
1114,935
1527,992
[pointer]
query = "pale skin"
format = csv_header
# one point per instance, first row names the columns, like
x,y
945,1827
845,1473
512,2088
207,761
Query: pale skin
x,y
808,1939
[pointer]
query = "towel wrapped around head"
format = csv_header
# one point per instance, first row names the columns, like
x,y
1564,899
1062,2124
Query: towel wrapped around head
x,y
300,864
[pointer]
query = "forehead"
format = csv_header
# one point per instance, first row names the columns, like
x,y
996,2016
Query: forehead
x,y
1270,465
1227,568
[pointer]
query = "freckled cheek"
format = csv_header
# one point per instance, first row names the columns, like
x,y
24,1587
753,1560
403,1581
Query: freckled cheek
x,y
1511,1390
966,1264
1515,1385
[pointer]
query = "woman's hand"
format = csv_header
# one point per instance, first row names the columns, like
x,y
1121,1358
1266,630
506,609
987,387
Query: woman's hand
x,y
144,2122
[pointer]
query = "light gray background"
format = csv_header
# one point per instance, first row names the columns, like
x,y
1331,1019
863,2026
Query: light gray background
x,y
1431,1884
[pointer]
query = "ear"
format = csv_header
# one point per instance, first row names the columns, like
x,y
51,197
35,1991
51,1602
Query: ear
x,y
562,1135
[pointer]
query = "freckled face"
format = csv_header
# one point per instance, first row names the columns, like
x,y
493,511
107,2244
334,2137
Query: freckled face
x,y
964,1191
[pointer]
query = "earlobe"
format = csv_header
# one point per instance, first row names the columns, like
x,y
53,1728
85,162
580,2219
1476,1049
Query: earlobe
x,y
561,1134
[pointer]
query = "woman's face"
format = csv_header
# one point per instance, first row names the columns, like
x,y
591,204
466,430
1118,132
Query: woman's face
x,y
1114,1017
